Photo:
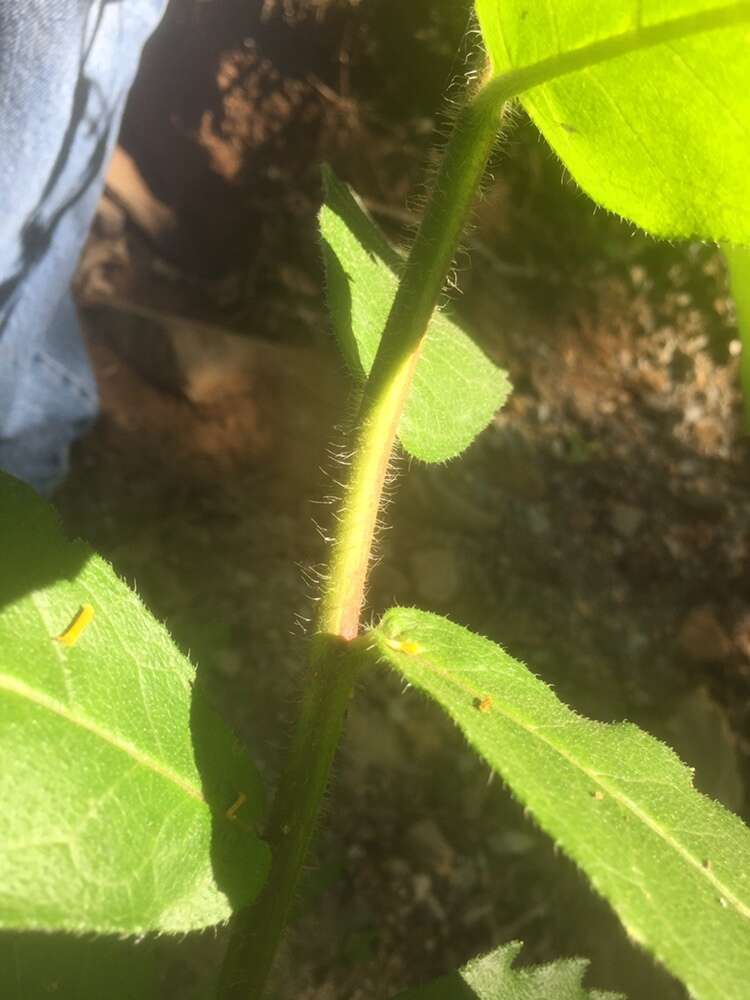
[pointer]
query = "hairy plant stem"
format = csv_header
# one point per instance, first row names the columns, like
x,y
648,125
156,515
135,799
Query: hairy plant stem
x,y
332,668
256,932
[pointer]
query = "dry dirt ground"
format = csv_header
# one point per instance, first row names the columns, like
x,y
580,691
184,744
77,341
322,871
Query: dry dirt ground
x,y
599,528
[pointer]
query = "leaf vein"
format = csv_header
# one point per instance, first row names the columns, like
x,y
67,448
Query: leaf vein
x,y
14,686
649,821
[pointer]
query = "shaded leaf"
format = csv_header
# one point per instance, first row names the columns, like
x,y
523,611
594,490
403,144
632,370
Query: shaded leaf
x,y
35,966
491,977
674,865
115,775
659,133
456,388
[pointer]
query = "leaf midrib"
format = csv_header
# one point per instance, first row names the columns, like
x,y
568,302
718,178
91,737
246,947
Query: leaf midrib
x,y
535,732
514,82
511,84
17,687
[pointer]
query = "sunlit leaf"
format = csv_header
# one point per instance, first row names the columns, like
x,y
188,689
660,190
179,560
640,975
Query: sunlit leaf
x,y
456,388
115,776
491,977
674,864
646,102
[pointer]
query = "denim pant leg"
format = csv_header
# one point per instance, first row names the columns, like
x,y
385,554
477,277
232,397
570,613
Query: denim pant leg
x,y
65,70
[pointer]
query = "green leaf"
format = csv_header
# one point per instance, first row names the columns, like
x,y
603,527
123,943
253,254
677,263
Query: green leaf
x,y
738,259
491,977
646,102
64,967
115,776
673,864
456,388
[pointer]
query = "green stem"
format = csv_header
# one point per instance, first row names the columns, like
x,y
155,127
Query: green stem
x,y
256,932
423,281
330,679
386,390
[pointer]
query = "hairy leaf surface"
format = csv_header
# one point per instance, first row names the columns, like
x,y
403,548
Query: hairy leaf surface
x,y
115,776
674,864
490,977
456,388
646,102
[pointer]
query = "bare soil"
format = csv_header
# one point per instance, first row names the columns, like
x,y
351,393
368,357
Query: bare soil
x,y
599,528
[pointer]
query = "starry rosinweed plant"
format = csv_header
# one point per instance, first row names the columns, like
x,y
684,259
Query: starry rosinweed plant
x,y
128,809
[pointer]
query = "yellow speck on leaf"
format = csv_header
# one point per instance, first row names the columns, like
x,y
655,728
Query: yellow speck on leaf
x,y
232,811
407,646
73,632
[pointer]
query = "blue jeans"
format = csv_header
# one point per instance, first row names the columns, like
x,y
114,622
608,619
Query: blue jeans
x,y
65,70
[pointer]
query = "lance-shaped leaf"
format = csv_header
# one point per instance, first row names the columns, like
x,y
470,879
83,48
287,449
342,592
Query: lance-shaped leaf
x,y
456,388
738,259
674,864
491,977
646,102
115,776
